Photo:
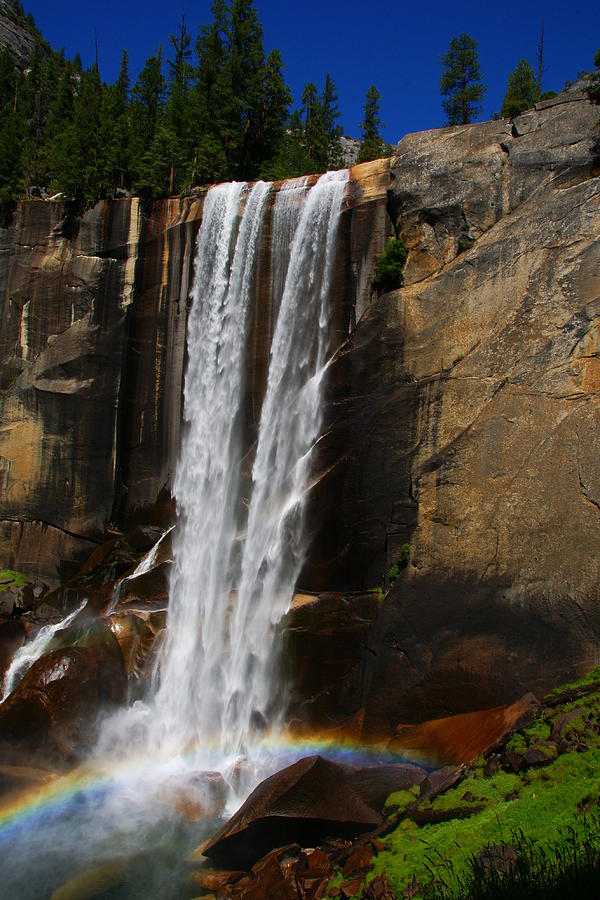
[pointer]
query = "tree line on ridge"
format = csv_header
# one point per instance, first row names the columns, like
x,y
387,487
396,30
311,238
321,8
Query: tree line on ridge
x,y
224,113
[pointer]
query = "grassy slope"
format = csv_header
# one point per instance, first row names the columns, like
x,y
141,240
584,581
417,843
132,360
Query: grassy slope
x,y
542,805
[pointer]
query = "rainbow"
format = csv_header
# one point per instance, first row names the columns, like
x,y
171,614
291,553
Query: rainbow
x,y
42,803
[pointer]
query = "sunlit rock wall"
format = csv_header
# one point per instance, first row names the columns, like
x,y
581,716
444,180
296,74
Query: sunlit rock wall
x,y
93,313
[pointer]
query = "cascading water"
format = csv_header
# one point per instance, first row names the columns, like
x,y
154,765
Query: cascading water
x,y
30,652
235,571
215,677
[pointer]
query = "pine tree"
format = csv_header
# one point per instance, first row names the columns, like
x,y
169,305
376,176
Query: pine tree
x,y
244,89
146,108
208,99
522,92
315,135
277,99
460,82
372,146
331,113
78,161
178,111
11,162
115,131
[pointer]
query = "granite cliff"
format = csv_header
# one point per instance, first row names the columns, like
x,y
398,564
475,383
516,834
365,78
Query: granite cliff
x,y
461,413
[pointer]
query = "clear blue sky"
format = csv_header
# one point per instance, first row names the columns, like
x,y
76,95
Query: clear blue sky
x,y
394,46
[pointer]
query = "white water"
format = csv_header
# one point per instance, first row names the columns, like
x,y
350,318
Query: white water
x,y
29,653
235,572
148,561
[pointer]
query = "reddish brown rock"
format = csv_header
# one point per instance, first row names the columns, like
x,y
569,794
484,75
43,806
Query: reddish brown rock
x,y
304,803
52,714
350,888
359,860
313,864
379,889
462,738
440,781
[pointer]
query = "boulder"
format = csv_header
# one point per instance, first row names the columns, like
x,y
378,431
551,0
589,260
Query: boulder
x,y
462,738
304,802
51,716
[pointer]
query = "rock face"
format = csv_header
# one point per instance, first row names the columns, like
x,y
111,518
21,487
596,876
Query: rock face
x,y
461,413
93,313
75,385
463,419
14,34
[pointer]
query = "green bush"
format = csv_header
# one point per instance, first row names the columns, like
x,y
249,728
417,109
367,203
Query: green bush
x,y
10,578
594,81
389,266
401,563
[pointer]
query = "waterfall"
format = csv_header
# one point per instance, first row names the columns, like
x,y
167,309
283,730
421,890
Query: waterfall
x,y
238,550
30,652
216,671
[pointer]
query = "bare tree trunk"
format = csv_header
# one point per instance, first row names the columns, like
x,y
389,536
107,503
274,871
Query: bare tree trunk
x,y
540,62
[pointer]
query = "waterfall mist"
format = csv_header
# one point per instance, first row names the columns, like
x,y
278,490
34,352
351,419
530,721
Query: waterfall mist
x,y
217,701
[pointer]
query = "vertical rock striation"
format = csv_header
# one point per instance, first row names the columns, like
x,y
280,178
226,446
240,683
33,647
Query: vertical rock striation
x,y
93,313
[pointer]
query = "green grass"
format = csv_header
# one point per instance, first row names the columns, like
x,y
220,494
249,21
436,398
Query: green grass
x,y
542,804
10,578
590,678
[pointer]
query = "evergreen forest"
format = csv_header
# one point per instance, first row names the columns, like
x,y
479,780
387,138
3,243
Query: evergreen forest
x,y
211,110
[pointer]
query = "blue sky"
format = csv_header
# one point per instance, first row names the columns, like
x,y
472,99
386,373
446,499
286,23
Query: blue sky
x,y
394,46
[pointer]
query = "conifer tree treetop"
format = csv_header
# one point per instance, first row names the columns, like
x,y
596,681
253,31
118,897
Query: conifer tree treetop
x,y
460,83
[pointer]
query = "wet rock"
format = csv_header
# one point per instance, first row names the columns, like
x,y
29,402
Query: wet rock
x,y
139,634
94,881
17,597
203,796
374,784
313,864
334,628
214,880
513,760
143,537
12,636
51,716
15,779
304,802
427,816
560,724
350,888
149,590
492,765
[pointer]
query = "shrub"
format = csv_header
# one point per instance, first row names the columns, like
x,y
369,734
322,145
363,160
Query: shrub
x,y
401,563
389,266
594,82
